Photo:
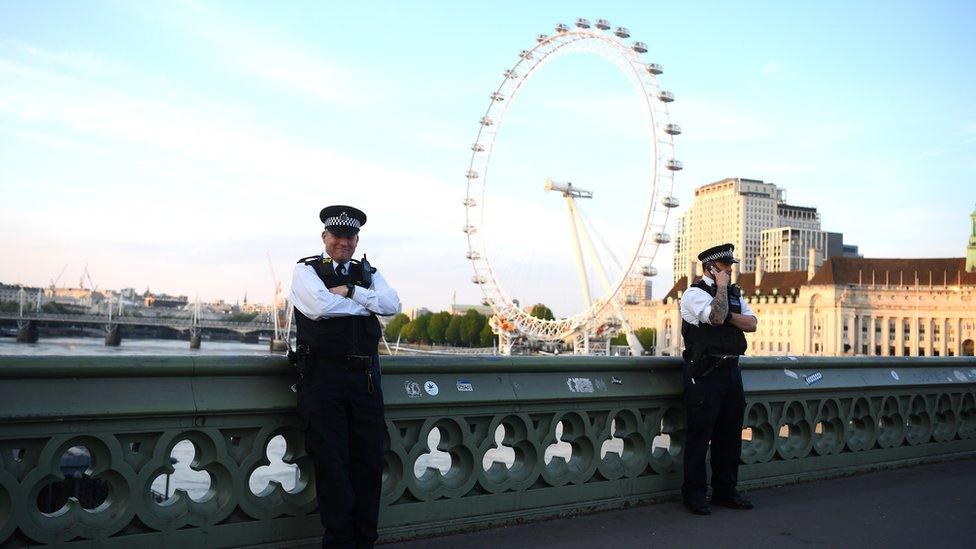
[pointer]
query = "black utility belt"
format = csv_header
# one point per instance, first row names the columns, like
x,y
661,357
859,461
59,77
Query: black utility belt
x,y
704,364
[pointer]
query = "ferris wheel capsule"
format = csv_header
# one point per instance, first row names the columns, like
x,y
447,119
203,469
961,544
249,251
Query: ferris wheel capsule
x,y
470,202
525,54
471,174
632,299
662,238
510,74
542,38
561,28
654,68
649,270
486,121
675,165
602,24
639,47
470,229
582,23
473,255
496,96
477,279
622,32
672,129
669,202
665,96
478,147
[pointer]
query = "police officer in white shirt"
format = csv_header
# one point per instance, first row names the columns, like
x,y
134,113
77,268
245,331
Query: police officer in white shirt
x,y
714,318
340,401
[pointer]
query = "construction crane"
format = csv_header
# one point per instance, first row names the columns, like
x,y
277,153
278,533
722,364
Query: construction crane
x,y
280,313
91,284
274,278
54,281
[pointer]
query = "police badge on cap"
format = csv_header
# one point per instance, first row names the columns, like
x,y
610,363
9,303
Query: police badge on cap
x,y
342,220
722,252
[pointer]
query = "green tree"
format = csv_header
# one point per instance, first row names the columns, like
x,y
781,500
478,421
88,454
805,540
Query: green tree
x,y
394,326
408,332
539,310
421,323
437,327
471,324
487,337
452,335
647,337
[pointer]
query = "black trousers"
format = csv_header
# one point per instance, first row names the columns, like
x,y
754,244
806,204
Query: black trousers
x,y
344,432
715,405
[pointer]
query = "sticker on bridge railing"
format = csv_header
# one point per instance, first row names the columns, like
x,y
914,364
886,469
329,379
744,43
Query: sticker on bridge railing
x,y
464,386
616,381
894,375
972,373
790,373
813,378
412,388
580,384
960,376
431,388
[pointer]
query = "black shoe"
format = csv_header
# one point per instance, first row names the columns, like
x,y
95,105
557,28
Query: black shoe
x,y
734,502
698,507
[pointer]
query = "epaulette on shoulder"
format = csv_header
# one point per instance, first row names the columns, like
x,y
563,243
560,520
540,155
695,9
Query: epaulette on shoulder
x,y
314,259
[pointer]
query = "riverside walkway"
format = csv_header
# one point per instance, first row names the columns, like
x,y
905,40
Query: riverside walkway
x,y
930,505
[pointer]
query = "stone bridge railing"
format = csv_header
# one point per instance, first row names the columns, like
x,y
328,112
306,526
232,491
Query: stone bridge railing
x,y
498,440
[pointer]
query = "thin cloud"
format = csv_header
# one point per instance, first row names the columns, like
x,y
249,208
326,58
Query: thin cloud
x,y
712,121
275,59
771,67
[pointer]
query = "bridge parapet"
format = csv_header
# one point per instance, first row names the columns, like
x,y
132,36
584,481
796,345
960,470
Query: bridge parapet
x,y
523,438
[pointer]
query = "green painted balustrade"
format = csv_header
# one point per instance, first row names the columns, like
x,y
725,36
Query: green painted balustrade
x,y
494,440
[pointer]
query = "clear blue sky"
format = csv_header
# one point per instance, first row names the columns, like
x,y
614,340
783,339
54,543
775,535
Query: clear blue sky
x,y
172,144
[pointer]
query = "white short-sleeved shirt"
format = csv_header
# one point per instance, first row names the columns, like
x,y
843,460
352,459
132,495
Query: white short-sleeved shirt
x,y
310,296
696,304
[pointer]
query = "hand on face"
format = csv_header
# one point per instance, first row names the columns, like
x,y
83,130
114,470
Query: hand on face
x,y
721,274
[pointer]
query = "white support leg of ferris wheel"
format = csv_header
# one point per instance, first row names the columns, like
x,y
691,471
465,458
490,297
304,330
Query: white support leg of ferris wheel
x,y
580,267
571,194
635,345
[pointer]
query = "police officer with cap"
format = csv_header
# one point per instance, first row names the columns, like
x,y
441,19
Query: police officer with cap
x,y
714,318
340,401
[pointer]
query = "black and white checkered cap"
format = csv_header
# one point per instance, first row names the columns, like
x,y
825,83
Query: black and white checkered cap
x,y
722,252
342,220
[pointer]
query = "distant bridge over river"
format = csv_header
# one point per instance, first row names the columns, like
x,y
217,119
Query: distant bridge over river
x,y
28,322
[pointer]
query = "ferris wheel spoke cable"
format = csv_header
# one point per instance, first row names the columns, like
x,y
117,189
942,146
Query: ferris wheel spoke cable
x,y
606,246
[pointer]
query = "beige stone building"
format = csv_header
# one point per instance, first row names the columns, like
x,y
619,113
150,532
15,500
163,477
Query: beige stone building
x,y
847,306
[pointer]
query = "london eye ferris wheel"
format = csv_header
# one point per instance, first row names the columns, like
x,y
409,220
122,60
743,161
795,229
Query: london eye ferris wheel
x,y
601,314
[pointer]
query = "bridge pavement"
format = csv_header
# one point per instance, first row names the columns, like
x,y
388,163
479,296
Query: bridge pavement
x,y
928,506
